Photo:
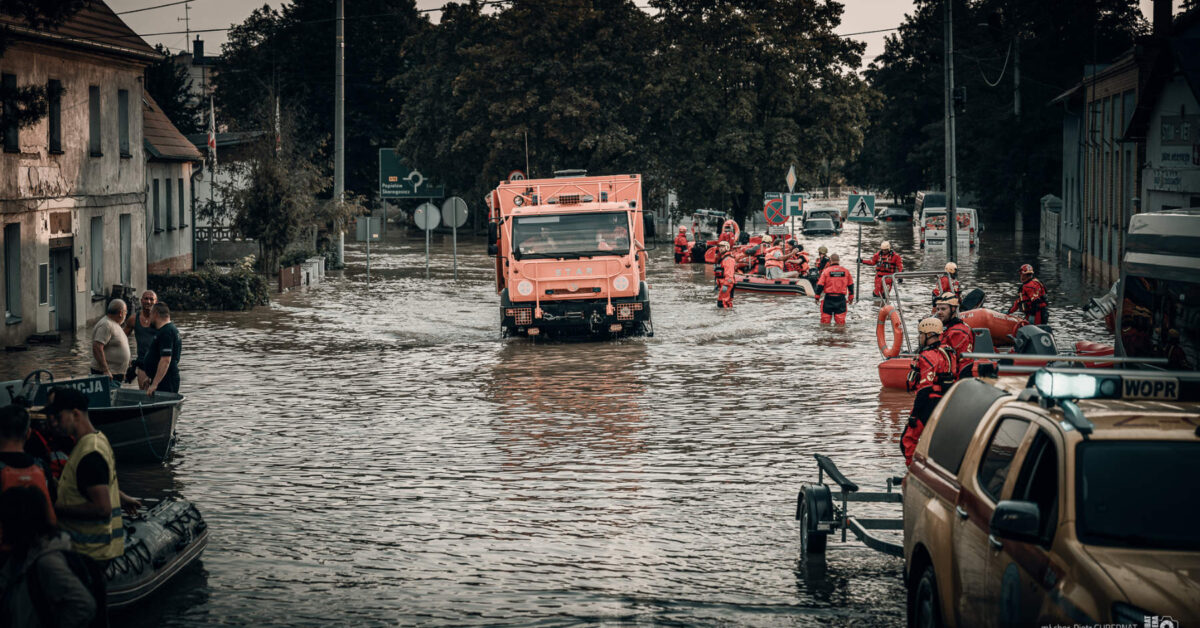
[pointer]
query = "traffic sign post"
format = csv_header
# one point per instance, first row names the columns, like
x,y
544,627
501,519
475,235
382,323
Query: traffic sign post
x,y
861,209
399,181
427,217
367,229
454,210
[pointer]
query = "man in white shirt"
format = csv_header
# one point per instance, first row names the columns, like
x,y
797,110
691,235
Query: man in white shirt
x,y
110,345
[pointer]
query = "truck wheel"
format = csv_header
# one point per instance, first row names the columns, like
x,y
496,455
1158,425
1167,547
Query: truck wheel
x,y
923,608
812,541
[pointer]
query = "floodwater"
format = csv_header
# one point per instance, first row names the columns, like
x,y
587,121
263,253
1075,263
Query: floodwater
x,y
383,456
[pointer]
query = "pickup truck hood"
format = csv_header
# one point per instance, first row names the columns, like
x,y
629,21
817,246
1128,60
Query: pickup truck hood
x,y
1163,582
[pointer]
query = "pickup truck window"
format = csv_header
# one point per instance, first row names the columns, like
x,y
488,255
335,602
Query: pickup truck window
x,y
1134,494
962,410
570,236
998,457
1037,482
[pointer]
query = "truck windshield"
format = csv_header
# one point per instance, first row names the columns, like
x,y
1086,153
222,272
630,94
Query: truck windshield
x,y
564,236
1129,494
1159,320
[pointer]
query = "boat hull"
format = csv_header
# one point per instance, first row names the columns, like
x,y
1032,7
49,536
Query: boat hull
x,y
160,544
140,428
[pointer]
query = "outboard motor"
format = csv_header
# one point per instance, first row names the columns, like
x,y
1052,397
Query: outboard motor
x,y
972,299
1035,340
1098,308
698,250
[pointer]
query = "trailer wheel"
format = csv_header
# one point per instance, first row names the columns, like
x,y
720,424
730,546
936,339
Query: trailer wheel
x,y
812,541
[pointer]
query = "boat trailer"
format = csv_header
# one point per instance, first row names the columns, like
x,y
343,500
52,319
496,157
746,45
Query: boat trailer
x,y
819,515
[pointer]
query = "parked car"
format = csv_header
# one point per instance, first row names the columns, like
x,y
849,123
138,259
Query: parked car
x,y
820,226
1063,499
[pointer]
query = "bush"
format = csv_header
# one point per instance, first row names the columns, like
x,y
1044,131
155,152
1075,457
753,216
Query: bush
x,y
295,257
213,289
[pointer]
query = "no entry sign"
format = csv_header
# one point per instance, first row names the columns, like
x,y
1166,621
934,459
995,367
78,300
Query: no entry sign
x,y
774,213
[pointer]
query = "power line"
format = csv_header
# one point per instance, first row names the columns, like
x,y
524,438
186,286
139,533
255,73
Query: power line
x,y
157,6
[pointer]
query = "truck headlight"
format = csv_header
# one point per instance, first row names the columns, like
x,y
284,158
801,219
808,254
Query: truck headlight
x,y
525,288
621,283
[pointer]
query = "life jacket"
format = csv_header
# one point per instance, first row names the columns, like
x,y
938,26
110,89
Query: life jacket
x,y
1033,296
822,262
774,258
681,243
934,368
835,280
104,538
32,477
959,337
718,266
886,264
40,447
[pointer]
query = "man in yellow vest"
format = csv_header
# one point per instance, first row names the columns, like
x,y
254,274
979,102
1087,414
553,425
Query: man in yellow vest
x,y
89,501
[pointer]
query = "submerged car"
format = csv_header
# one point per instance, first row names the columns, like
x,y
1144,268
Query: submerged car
x,y
820,226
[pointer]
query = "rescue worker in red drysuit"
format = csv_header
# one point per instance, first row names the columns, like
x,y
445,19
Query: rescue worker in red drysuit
x,y
837,286
886,262
724,271
956,334
948,283
727,233
681,245
1031,301
931,376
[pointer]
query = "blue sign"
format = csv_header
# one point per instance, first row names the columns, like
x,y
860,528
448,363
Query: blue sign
x,y
861,208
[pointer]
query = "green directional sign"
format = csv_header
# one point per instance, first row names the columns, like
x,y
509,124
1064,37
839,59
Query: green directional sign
x,y
399,181
861,208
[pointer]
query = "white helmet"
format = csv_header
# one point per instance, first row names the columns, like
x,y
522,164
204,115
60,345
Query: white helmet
x,y
951,267
767,239
682,229
885,246
930,325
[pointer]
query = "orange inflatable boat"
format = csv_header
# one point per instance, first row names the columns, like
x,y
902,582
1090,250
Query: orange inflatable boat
x,y
1002,326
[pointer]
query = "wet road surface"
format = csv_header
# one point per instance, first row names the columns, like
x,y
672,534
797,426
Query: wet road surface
x,y
383,457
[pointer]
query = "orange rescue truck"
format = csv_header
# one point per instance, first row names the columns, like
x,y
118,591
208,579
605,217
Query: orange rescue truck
x,y
571,255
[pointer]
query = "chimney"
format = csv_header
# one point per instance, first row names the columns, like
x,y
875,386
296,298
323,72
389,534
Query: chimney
x,y
198,45
1161,21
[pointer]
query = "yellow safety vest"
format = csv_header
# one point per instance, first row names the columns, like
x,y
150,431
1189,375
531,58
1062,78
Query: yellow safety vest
x,y
101,539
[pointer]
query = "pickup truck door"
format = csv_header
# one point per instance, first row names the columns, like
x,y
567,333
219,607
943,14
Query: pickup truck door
x,y
983,480
1022,573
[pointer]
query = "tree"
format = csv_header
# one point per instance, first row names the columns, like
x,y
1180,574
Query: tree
x,y
27,104
168,83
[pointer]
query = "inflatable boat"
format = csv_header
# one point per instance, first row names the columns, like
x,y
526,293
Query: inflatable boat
x,y
1003,326
759,283
158,544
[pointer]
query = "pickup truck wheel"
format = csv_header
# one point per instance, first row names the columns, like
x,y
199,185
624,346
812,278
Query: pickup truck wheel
x,y
924,611
812,542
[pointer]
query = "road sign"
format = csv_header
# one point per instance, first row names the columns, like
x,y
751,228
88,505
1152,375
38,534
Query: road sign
x,y
779,230
791,178
862,208
454,211
367,225
427,216
773,212
516,175
399,181
794,204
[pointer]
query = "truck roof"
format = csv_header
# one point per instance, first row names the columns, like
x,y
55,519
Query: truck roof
x,y
607,192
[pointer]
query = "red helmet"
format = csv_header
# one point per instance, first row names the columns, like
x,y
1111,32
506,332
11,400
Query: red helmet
x,y
1027,269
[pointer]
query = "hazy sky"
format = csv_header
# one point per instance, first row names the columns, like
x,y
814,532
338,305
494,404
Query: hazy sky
x,y
860,15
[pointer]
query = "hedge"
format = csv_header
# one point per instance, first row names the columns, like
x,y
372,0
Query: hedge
x,y
211,289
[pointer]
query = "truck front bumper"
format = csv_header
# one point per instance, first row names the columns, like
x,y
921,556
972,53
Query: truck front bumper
x,y
591,317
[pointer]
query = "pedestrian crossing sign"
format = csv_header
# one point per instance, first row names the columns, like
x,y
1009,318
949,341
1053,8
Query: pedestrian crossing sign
x,y
861,208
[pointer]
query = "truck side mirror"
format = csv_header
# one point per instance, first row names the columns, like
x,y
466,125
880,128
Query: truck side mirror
x,y
648,225
1016,520
493,237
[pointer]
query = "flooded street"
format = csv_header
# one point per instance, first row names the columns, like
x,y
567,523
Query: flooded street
x,y
384,457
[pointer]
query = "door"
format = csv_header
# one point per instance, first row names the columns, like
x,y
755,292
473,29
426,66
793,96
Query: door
x,y
982,485
1022,572
62,275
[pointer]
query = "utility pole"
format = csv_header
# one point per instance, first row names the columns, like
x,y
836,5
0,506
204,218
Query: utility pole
x,y
1017,76
339,145
951,167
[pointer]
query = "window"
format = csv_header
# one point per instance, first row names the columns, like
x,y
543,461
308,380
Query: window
x,y
54,116
169,206
953,429
1156,320
1038,483
126,249
157,224
12,273
993,469
11,135
96,231
182,220
43,284
94,146
123,121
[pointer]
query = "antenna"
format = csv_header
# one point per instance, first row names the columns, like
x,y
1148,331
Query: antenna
x,y
187,22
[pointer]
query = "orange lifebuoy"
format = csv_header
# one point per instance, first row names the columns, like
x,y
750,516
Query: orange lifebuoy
x,y
885,313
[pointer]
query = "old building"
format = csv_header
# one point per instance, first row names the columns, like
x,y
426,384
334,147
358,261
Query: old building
x,y
171,162
72,186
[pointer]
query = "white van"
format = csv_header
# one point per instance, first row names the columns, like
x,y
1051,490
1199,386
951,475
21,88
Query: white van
x,y
933,227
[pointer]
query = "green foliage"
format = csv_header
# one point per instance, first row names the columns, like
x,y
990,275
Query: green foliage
x,y
28,103
168,84
1004,160
295,257
213,289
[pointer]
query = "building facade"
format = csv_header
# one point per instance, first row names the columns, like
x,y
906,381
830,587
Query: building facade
x,y
72,185
171,165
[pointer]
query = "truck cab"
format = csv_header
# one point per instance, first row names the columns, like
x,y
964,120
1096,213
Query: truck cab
x,y
571,255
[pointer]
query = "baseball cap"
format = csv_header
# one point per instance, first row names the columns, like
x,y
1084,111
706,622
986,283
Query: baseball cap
x,y
64,398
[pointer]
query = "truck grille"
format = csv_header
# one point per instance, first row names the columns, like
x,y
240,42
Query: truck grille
x,y
625,311
520,315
